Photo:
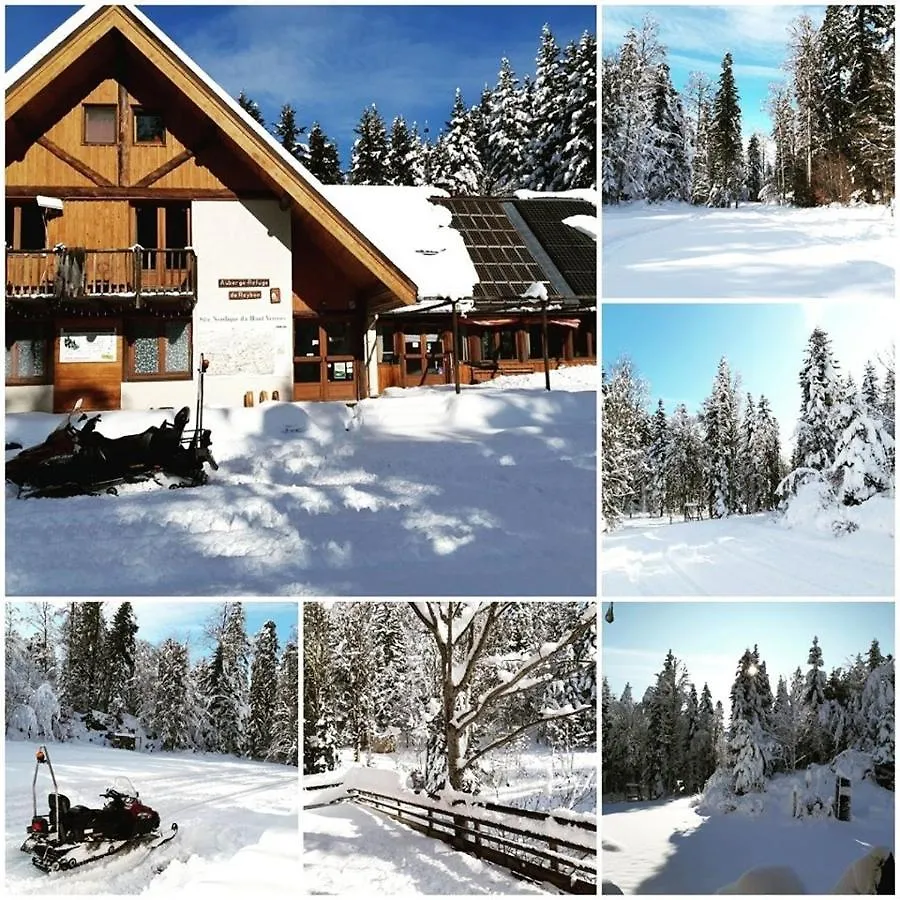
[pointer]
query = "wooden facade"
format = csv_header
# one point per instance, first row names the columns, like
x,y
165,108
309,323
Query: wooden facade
x,y
117,124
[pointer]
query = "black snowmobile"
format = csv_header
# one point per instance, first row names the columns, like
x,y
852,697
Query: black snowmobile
x,y
79,460
71,836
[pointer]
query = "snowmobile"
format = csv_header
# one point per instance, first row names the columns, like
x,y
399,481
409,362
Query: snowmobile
x,y
71,836
75,458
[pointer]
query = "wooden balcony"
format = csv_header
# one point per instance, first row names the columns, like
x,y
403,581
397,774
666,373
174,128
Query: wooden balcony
x,y
75,277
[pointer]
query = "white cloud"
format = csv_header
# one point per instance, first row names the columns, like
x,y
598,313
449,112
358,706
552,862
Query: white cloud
x,y
760,33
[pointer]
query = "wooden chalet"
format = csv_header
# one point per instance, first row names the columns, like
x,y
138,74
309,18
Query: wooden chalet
x,y
149,219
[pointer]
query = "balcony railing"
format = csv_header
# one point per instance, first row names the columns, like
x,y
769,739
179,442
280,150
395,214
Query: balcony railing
x,y
73,274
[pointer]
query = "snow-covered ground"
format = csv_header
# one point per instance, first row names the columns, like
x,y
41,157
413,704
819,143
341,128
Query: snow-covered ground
x,y
357,852
677,250
756,555
353,850
419,492
669,847
237,822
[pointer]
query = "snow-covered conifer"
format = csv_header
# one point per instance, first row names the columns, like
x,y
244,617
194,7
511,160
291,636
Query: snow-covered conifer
x,y
368,158
323,160
460,169
289,133
263,682
508,133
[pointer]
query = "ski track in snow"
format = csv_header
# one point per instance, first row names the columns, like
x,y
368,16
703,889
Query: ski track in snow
x,y
421,491
237,821
357,852
753,251
745,556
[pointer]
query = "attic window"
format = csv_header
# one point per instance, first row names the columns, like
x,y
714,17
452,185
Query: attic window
x,y
148,127
99,124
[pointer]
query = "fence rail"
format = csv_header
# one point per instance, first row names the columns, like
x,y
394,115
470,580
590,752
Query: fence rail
x,y
565,862
77,274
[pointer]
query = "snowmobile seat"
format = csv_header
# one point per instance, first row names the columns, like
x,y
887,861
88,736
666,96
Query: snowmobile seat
x,y
60,801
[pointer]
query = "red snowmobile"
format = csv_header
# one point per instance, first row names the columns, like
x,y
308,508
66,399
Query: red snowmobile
x,y
71,836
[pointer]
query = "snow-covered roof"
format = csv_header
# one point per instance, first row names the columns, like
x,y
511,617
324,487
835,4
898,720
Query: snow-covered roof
x,y
414,233
585,224
588,194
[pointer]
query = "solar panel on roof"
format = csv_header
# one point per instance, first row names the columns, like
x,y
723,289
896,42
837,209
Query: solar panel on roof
x,y
572,252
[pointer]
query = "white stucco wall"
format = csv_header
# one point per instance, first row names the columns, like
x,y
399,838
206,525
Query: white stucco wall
x,y
249,342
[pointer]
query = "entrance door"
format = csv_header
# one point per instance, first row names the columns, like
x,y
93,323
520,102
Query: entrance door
x,y
88,364
326,366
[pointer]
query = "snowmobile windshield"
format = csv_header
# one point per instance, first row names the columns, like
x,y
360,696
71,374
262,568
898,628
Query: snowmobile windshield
x,y
123,785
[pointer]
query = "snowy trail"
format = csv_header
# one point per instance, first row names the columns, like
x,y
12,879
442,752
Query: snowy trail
x,y
238,821
666,847
357,852
744,556
416,493
753,251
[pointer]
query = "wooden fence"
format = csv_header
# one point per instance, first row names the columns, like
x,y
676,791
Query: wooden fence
x,y
569,863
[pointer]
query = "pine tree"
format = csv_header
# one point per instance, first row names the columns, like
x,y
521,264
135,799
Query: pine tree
x,y
284,747
579,153
508,127
621,417
323,160
658,459
668,176
726,137
459,171
172,715
721,420
368,159
754,167
263,681
869,389
227,687
403,155
863,465
251,107
815,437
545,155
749,765
118,661
288,133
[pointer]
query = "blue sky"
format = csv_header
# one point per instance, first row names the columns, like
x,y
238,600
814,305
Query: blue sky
x,y
332,61
697,38
677,347
184,620
710,638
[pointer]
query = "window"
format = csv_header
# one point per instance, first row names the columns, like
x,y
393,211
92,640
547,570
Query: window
x,y
148,127
385,343
25,226
27,353
424,353
99,124
584,340
306,338
159,349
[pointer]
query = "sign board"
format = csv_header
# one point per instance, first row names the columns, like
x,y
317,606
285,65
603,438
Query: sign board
x,y
87,346
244,295
243,283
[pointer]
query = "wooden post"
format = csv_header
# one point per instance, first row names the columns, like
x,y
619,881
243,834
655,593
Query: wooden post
x,y
455,344
544,341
